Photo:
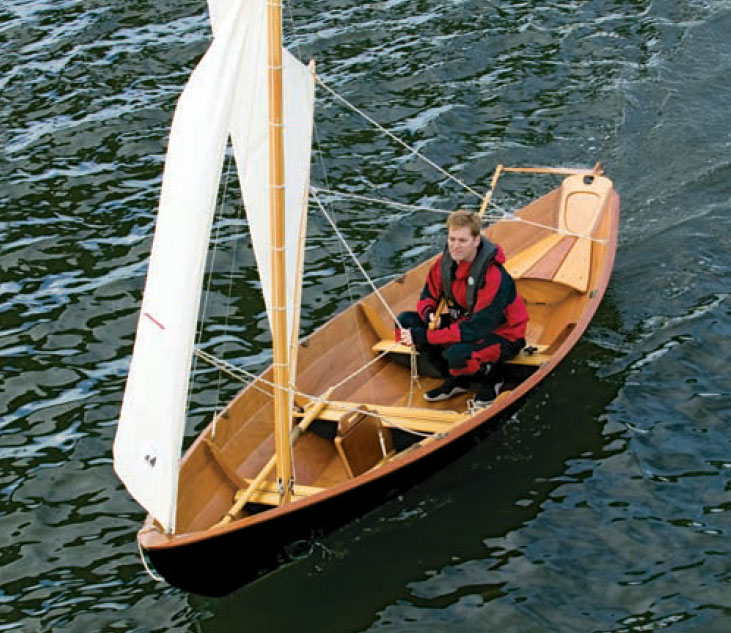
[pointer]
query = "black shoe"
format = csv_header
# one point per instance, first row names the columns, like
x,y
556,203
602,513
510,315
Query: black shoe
x,y
448,389
487,392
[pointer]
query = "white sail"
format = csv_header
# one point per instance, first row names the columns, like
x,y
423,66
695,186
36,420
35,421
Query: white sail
x,y
226,94
250,136
152,419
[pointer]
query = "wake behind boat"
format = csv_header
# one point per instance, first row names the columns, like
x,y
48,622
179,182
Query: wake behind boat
x,y
338,423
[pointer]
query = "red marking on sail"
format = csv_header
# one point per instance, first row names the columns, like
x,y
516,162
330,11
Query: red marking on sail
x,y
154,320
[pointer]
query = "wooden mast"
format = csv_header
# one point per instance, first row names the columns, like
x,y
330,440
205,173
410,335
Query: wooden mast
x,y
276,208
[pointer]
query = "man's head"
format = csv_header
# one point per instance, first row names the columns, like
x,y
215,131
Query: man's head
x,y
463,235
467,219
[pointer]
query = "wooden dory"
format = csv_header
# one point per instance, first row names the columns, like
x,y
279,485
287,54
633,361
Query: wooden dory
x,y
560,250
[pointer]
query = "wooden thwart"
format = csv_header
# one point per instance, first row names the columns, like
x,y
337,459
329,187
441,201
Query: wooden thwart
x,y
266,493
421,420
530,355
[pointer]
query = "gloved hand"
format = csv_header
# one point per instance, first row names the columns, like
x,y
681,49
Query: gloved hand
x,y
432,321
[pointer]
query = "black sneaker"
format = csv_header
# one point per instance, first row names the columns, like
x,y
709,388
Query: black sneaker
x,y
487,392
448,389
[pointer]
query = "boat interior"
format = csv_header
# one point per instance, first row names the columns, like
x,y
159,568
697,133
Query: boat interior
x,y
364,406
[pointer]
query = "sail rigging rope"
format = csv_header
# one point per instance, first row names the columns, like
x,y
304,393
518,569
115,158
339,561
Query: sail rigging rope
x,y
504,214
381,201
207,293
414,380
148,569
341,237
250,379
500,213
510,217
391,135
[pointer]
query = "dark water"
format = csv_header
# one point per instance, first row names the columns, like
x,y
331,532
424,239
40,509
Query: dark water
x,y
603,505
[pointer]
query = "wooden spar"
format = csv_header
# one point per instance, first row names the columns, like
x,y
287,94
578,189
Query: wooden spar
x,y
483,208
276,211
561,171
488,195
243,498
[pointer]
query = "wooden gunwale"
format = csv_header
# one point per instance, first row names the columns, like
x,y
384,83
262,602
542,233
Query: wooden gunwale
x,y
153,540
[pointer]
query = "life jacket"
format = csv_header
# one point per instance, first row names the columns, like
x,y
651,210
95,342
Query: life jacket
x,y
486,252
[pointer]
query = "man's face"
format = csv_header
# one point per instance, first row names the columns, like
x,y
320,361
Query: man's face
x,y
462,244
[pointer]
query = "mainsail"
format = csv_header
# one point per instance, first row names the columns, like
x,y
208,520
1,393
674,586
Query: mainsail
x,y
217,101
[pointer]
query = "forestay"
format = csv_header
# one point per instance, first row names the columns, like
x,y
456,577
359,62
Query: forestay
x,y
217,101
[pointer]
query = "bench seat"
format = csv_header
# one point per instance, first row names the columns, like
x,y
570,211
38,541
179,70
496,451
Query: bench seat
x,y
529,355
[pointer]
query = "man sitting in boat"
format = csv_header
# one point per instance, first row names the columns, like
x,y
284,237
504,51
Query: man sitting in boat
x,y
486,318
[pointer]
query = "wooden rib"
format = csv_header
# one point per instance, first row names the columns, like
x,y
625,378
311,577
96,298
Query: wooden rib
x,y
376,322
227,469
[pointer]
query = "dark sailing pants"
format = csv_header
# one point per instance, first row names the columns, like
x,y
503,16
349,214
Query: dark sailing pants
x,y
463,359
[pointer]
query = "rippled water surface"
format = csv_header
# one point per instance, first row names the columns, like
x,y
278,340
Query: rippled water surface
x,y
603,505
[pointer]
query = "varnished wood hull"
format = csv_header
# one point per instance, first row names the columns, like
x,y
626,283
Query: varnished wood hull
x,y
220,564
562,276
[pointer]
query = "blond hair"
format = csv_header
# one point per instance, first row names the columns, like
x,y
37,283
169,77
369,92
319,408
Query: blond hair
x,y
463,218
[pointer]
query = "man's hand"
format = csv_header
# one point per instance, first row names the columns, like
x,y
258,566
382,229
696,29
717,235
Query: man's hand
x,y
406,337
414,336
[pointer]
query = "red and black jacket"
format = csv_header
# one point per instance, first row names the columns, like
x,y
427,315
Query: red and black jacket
x,y
496,306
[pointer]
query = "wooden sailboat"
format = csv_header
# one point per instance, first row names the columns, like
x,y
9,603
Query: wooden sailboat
x,y
337,424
